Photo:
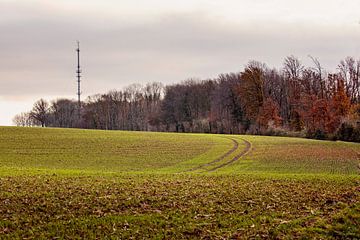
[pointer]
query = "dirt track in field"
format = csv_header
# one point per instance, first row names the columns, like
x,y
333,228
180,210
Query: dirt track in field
x,y
233,149
237,157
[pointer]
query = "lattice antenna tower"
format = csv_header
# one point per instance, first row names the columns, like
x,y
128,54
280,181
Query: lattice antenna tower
x,y
78,76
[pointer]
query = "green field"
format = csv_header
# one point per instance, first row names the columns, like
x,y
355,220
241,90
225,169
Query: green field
x,y
68,183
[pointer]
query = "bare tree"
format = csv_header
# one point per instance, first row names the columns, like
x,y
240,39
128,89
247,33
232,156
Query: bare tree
x,y
22,120
293,67
350,72
40,112
318,75
63,113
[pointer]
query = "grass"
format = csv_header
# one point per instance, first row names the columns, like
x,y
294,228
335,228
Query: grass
x,y
100,150
57,183
298,155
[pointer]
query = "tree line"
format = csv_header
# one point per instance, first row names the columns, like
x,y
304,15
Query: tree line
x,y
294,100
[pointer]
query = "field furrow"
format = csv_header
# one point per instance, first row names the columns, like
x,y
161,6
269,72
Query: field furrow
x,y
236,158
219,159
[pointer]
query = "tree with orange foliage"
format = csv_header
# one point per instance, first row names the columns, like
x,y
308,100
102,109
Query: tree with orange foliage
x,y
269,112
320,116
251,90
340,106
304,109
354,113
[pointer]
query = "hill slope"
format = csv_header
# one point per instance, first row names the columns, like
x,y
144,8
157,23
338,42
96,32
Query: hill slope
x,y
121,151
68,183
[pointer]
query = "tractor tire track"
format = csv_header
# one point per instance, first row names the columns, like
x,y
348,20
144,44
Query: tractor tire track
x,y
233,149
237,157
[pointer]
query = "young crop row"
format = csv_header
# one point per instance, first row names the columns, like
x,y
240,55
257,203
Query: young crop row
x,y
298,156
119,151
98,150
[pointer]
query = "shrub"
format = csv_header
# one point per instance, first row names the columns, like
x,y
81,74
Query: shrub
x,y
273,130
349,131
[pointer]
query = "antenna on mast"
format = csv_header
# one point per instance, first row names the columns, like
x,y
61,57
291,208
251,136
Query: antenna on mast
x,y
78,72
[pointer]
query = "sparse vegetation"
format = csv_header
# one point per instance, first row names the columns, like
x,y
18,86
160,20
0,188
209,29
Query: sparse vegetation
x,y
58,183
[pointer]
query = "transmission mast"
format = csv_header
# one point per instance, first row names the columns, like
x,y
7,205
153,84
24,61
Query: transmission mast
x,y
78,71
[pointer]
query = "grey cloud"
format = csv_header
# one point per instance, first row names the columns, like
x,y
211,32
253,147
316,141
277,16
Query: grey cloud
x,y
38,57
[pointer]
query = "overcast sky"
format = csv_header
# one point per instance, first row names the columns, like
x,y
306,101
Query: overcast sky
x,y
139,41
